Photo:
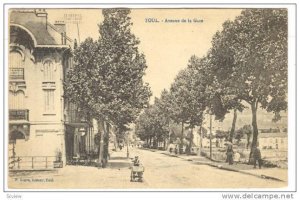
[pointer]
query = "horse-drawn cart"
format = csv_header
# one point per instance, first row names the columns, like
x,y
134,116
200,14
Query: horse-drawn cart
x,y
137,173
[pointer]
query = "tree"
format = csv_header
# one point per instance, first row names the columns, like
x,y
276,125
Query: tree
x,y
107,77
245,130
249,57
153,126
189,97
164,104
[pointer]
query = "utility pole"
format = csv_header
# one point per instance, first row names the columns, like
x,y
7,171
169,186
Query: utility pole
x,y
78,33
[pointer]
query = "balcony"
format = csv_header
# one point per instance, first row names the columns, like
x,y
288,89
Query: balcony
x,y
16,74
19,114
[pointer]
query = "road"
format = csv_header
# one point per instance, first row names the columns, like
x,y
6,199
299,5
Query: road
x,y
171,172
161,171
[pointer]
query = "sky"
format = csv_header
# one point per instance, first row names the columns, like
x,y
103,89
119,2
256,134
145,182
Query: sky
x,y
167,46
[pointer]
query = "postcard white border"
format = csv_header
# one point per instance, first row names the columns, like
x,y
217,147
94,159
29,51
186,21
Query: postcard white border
x,y
291,81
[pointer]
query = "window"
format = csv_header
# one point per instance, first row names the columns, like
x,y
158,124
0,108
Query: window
x,y
271,140
15,60
49,71
16,100
16,69
48,86
49,101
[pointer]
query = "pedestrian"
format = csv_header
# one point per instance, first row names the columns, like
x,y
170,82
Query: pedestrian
x,y
230,154
237,157
176,149
170,149
136,161
257,157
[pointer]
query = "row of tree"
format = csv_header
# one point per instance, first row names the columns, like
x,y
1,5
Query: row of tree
x,y
245,67
106,81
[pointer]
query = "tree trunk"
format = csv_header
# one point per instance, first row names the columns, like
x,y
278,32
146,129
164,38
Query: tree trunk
x,y
248,140
105,145
210,137
155,142
169,135
254,128
190,142
200,134
233,125
115,140
101,142
181,139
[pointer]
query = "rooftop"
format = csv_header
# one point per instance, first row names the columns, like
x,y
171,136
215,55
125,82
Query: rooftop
x,y
34,22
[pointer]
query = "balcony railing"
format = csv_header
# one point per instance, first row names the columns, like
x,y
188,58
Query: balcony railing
x,y
18,114
16,74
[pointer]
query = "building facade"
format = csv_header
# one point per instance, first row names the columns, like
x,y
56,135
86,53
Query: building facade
x,y
38,54
273,141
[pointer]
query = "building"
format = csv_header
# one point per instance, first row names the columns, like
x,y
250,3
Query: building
x,y
40,119
273,141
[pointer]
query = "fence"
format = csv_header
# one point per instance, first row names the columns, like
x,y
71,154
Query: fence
x,y
31,162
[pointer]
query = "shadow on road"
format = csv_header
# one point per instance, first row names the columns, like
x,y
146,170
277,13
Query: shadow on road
x,y
118,158
118,164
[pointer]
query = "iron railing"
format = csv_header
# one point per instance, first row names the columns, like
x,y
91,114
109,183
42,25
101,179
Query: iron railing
x,y
19,114
31,162
16,74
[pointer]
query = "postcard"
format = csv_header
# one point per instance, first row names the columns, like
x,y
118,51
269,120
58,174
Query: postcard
x,y
149,98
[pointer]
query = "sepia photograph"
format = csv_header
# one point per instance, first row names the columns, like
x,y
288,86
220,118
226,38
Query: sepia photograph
x,y
132,98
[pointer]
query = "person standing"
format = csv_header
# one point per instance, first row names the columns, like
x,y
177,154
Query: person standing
x,y
230,154
257,157
237,157
176,149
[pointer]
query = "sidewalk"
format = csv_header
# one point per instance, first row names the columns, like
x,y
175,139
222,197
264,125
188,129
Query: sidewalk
x,y
277,174
118,160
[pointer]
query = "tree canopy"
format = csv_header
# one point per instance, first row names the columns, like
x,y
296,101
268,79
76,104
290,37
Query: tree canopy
x,y
249,57
107,78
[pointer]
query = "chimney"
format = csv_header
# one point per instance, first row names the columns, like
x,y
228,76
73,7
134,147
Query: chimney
x,y
42,15
60,26
41,12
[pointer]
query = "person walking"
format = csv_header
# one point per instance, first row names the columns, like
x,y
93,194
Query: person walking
x,y
230,154
257,157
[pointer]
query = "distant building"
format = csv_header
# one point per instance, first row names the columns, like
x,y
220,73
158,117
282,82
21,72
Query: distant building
x,y
273,141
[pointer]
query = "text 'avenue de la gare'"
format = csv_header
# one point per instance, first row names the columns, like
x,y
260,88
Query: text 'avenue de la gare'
x,y
167,20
